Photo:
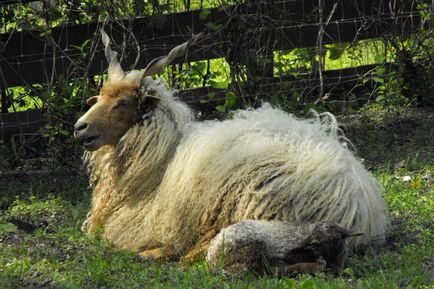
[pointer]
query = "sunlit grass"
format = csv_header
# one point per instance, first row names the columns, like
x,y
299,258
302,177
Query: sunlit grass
x,y
336,56
65,258
214,73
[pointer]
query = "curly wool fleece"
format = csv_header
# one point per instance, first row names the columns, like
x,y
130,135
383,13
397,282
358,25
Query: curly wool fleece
x,y
172,180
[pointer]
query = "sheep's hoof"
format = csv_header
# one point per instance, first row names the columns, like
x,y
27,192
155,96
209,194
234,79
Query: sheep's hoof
x,y
159,254
196,254
153,254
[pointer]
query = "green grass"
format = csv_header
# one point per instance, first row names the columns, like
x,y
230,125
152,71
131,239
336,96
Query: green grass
x,y
336,56
52,252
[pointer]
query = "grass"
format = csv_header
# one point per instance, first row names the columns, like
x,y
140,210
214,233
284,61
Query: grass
x,y
42,246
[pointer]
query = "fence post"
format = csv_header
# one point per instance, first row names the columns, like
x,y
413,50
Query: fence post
x,y
260,58
4,101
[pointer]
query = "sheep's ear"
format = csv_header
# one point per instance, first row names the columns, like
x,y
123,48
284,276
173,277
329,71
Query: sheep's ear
x,y
115,71
92,100
158,64
148,103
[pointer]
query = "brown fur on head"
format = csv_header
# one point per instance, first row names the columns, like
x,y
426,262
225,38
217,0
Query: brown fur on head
x,y
115,109
111,114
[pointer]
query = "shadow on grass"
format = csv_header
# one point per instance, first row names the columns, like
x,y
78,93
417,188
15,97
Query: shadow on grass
x,y
56,254
391,140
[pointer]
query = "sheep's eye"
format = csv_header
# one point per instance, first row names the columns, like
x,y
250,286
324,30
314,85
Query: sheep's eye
x,y
123,104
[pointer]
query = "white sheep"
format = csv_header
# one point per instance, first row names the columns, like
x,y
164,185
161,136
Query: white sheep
x,y
166,184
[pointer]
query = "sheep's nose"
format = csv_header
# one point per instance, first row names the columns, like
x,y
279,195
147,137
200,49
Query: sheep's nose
x,y
80,126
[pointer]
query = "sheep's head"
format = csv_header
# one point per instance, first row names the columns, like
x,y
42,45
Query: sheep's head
x,y
121,100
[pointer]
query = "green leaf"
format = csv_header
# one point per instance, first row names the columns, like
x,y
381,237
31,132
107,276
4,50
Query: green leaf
x,y
203,15
337,51
214,26
306,284
379,98
165,7
379,58
219,84
81,47
7,227
377,79
65,132
220,108
290,283
349,272
335,54
45,33
230,99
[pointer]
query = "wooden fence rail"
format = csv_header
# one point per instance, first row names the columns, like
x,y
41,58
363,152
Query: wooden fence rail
x,y
29,57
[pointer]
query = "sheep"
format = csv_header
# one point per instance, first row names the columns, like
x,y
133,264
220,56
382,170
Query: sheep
x,y
166,185
260,245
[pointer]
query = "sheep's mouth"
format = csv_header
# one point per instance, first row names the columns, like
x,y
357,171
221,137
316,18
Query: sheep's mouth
x,y
90,143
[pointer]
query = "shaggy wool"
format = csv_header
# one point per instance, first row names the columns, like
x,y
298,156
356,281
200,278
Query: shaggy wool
x,y
171,180
251,244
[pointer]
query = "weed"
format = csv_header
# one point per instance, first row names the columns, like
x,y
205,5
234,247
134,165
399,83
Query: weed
x,y
56,254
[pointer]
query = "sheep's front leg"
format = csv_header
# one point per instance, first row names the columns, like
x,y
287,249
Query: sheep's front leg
x,y
159,253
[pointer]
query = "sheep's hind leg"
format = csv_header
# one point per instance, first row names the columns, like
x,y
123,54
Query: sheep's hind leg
x,y
199,251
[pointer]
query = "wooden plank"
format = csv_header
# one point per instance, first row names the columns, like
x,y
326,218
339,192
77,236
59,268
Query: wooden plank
x,y
204,99
28,58
341,31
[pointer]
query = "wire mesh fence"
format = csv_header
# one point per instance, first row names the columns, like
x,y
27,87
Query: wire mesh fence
x,y
292,52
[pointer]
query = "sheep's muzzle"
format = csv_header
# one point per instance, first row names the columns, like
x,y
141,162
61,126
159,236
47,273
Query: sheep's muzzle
x,y
85,134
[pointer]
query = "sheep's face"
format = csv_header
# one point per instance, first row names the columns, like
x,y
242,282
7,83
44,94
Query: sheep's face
x,y
111,114
116,108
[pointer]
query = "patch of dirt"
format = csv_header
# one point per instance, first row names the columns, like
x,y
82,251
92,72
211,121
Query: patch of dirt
x,y
402,233
391,139
13,239
42,166
45,246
